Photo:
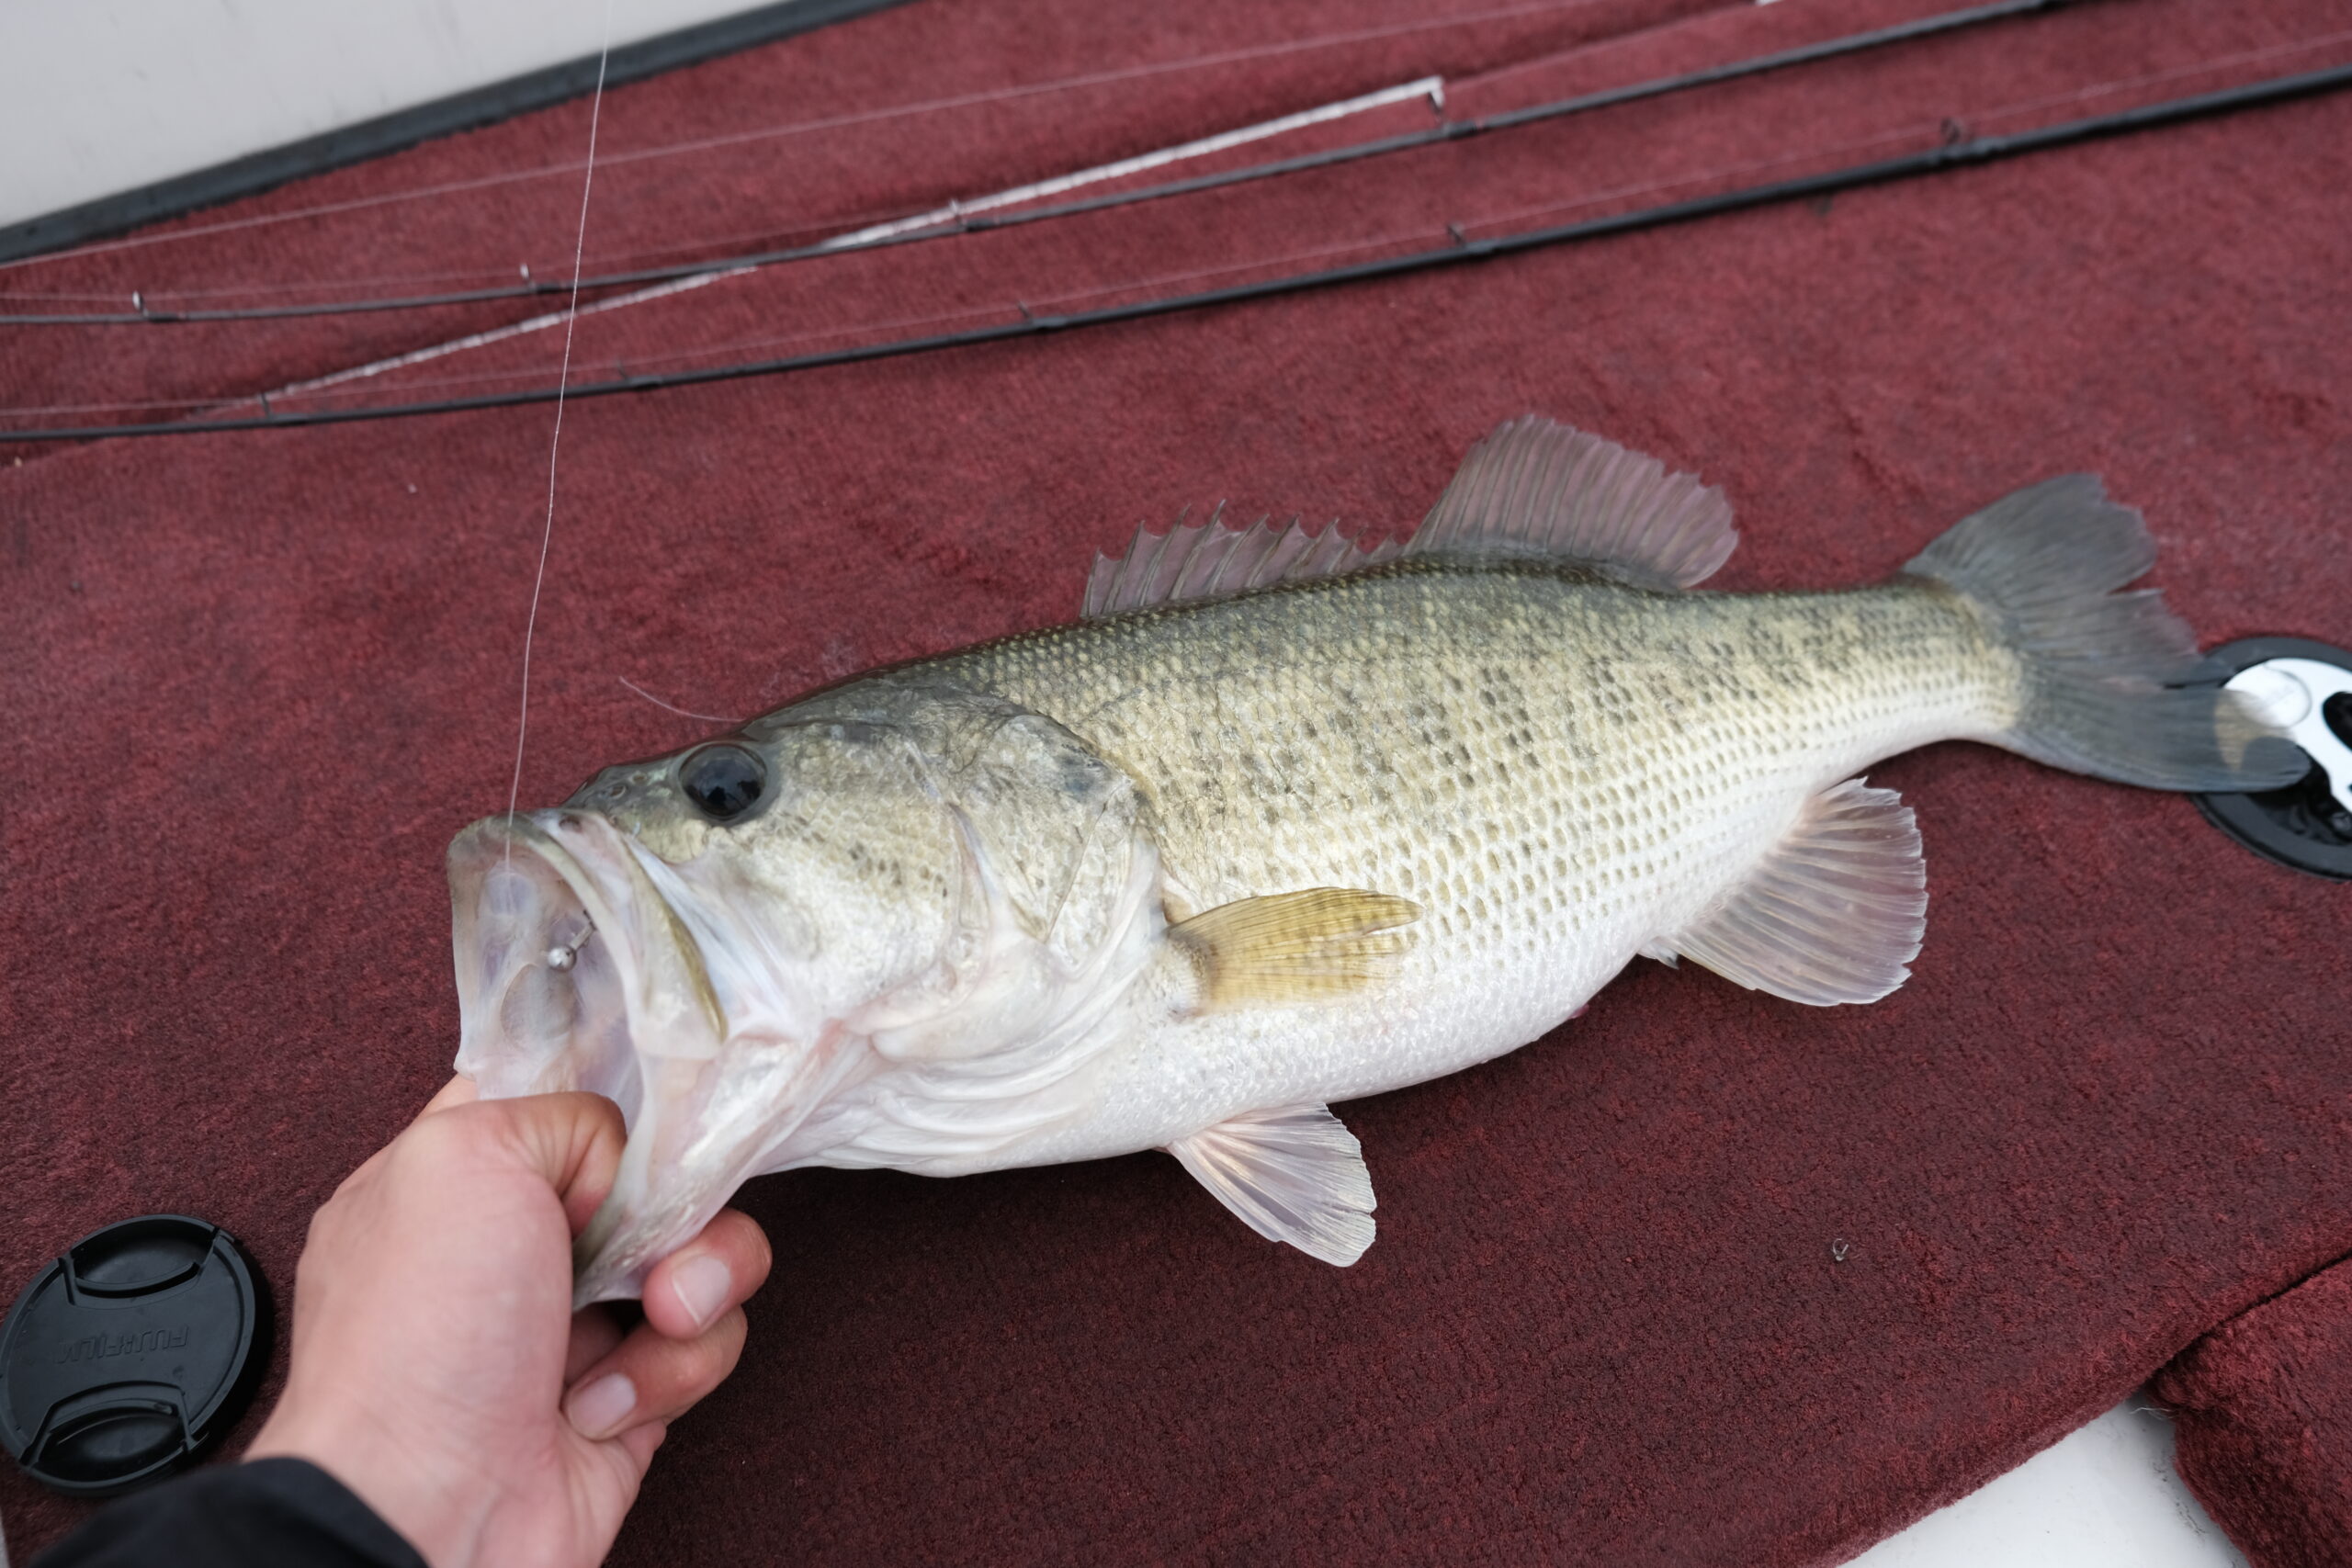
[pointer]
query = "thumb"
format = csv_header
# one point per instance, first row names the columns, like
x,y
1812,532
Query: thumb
x,y
572,1142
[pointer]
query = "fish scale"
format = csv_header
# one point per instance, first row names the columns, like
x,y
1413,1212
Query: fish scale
x,y
1558,768
1285,821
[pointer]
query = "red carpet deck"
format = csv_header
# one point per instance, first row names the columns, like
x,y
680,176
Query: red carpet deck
x,y
1705,1278
2264,1412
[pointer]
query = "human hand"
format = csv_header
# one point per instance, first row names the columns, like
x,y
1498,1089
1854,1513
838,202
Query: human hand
x,y
438,1370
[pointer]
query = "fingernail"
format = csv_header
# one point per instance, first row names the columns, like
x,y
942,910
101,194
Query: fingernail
x,y
702,1284
598,1409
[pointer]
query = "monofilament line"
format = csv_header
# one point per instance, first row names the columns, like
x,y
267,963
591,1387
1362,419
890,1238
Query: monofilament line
x,y
555,442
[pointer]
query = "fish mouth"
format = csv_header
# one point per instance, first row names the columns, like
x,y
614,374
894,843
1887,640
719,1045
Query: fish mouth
x,y
575,972
570,964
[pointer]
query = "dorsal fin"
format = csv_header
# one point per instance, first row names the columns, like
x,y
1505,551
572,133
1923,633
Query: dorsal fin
x,y
1533,489
1215,560
1542,490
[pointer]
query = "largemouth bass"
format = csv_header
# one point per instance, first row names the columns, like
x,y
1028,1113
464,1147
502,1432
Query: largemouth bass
x,y
1282,822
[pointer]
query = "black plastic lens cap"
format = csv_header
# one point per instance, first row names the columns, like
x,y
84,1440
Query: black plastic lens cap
x,y
125,1357
2303,825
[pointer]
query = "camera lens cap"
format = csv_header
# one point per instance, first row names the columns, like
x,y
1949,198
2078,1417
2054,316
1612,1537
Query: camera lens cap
x,y
125,1358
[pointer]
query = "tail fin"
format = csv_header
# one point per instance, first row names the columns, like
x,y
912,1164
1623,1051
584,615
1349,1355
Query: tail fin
x,y
2098,665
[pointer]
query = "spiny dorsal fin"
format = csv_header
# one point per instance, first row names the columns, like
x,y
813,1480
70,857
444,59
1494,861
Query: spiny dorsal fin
x,y
1215,561
1540,490
1833,912
1295,1175
1291,947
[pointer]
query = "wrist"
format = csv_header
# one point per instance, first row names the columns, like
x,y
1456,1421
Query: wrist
x,y
440,1515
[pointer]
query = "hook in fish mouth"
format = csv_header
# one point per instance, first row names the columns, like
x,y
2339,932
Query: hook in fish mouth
x,y
575,972
544,1008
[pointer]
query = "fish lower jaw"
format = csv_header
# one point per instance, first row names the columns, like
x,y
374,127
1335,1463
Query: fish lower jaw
x,y
702,1128
629,1234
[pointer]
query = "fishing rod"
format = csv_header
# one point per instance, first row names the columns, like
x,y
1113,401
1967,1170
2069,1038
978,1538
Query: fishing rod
x,y
1958,153
980,222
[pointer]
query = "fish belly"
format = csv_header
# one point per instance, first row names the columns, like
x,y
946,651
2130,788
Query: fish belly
x,y
1560,771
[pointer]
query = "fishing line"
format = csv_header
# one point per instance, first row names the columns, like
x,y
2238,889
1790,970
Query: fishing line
x,y
974,218
1937,160
657,702
317,389
842,232
337,387
691,275
862,116
863,229
1594,198
1975,117
481,275
1428,86
555,442
320,390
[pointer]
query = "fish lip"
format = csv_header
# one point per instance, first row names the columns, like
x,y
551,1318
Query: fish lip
x,y
580,877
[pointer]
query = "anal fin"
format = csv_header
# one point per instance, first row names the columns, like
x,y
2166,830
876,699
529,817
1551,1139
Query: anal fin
x,y
1833,913
1290,947
1295,1175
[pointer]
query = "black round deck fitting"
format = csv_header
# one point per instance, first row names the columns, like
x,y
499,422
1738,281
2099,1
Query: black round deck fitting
x,y
2304,825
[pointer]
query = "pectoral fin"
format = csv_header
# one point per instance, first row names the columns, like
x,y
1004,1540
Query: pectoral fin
x,y
1295,1175
1324,942
1832,913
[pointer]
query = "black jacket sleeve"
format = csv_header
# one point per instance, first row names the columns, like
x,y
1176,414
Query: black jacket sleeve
x,y
259,1514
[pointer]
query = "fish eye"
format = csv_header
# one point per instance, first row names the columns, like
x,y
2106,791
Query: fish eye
x,y
724,781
